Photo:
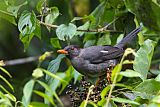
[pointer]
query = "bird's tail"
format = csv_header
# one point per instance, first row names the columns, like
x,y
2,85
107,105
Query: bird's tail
x,y
128,38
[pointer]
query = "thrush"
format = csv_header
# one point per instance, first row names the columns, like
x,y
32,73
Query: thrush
x,y
94,61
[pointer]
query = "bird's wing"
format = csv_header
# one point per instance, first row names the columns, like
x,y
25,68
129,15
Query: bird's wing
x,y
100,54
110,52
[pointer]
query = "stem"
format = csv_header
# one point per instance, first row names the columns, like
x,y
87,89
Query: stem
x,y
119,67
6,13
89,92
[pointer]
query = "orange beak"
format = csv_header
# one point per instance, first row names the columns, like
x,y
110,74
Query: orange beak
x,y
62,51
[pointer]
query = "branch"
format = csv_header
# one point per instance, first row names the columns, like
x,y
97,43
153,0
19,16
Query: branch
x,y
39,58
102,30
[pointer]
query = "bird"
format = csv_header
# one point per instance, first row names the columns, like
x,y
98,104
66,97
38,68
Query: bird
x,y
95,61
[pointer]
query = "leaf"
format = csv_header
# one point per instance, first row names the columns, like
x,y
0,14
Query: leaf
x,y
98,14
55,43
37,31
122,100
54,13
38,104
143,58
54,64
116,3
53,75
158,78
116,71
54,84
147,89
120,37
40,5
65,32
7,82
83,27
6,72
68,77
104,40
4,14
26,39
130,73
37,73
146,11
14,9
45,86
89,43
27,23
9,95
27,92
77,75
45,96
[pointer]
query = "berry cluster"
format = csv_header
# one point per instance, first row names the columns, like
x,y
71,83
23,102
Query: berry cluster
x,y
79,94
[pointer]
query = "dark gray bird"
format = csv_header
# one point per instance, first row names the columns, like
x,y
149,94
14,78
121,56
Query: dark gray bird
x,y
94,61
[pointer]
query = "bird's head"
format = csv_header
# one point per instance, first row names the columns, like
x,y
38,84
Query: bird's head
x,y
71,51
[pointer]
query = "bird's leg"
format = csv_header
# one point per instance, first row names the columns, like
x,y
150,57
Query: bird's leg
x,y
108,73
108,76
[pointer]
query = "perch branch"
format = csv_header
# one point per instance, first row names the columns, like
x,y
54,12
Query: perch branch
x,y
81,30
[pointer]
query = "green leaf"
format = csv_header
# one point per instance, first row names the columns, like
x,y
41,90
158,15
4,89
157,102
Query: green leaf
x,y
116,71
54,13
89,43
6,72
156,99
143,58
37,73
54,84
116,3
65,32
68,77
37,31
120,37
122,100
4,14
103,95
38,104
88,18
40,5
7,82
27,92
50,99
104,40
14,9
77,75
130,73
9,95
83,27
45,86
158,78
103,15
146,11
147,89
54,64
26,39
27,23
54,76
55,42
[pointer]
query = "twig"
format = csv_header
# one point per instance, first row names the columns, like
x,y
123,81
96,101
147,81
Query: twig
x,y
40,58
81,30
18,61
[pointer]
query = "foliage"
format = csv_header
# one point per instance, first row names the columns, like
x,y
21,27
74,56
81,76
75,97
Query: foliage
x,y
107,23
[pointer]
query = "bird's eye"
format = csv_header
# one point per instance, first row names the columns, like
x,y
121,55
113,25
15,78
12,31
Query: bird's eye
x,y
72,48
